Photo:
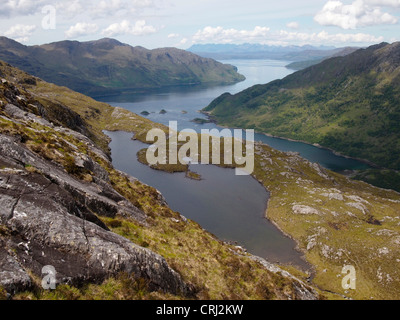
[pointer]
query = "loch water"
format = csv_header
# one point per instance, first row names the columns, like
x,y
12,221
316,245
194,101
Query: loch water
x,y
229,206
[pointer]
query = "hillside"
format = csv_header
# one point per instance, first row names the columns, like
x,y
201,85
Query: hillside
x,y
108,235
299,65
349,104
112,237
106,66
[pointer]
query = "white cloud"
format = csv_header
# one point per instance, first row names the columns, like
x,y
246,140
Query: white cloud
x,y
352,16
95,8
109,7
293,25
121,7
324,37
281,37
21,7
81,29
20,32
173,36
71,8
125,27
221,35
384,3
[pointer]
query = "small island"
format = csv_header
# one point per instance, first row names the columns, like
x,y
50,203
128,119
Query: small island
x,y
145,113
193,175
200,120
163,111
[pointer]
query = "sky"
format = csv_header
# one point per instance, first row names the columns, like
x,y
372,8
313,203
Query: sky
x,y
182,23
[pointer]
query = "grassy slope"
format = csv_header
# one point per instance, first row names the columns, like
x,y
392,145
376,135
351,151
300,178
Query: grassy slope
x,y
217,270
355,223
349,104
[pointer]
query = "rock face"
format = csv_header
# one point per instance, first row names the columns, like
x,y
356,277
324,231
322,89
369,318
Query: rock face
x,y
98,197
50,218
302,291
304,210
48,225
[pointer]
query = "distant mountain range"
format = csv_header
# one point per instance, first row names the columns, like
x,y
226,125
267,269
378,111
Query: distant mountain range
x,y
108,66
350,104
258,51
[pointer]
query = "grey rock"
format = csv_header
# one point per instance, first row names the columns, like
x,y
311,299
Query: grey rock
x,y
100,198
53,221
13,278
302,291
305,210
46,230
17,113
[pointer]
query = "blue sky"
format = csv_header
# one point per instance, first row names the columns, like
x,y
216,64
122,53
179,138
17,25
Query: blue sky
x,y
180,23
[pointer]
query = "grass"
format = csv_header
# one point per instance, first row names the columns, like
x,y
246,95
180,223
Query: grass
x,y
209,264
350,239
343,233
348,236
193,175
342,103
121,287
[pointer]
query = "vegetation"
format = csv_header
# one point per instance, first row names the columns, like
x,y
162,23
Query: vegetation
x,y
201,121
335,221
122,287
217,270
299,65
349,104
383,178
107,67
352,223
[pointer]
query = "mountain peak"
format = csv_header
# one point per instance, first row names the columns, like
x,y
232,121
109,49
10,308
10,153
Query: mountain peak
x,y
107,41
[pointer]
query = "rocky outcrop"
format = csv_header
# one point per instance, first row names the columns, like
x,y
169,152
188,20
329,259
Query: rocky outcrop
x,y
13,277
304,210
47,224
99,197
50,218
302,291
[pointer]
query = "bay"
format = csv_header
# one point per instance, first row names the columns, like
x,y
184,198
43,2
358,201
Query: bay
x,y
182,104
229,206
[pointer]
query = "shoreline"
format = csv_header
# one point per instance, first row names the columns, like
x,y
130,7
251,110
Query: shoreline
x,y
307,268
167,88
336,153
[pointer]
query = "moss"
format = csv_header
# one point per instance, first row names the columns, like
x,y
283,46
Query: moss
x,y
3,294
193,175
121,287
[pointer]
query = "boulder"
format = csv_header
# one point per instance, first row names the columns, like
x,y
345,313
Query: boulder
x,y
305,210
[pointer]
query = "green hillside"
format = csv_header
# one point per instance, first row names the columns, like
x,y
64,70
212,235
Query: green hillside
x,y
349,104
107,66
